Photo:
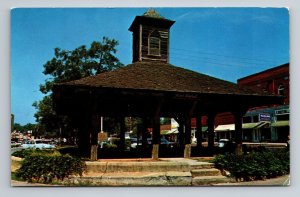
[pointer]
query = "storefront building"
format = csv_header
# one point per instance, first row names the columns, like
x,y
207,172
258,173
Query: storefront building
x,y
267,123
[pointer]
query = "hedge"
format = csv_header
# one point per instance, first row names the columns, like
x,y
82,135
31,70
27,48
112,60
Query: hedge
x,y
49,167
255,165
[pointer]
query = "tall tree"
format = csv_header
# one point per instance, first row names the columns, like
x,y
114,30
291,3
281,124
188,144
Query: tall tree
x,y
68,65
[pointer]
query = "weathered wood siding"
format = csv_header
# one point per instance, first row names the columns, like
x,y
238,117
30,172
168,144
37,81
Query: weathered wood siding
x,y
135,45
164,40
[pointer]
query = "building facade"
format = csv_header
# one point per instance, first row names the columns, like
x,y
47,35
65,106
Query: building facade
x,y
267,123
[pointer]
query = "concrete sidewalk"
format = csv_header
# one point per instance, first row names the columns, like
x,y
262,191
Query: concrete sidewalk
x,y
278,181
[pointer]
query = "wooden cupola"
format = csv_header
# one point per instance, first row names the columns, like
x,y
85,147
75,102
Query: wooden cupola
x,y
151,33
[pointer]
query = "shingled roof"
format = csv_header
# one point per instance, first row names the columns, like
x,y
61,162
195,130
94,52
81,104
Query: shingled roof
x,y
158,76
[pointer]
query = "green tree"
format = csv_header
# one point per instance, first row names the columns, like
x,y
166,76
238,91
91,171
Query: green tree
x,y
17,127
68,65
24,128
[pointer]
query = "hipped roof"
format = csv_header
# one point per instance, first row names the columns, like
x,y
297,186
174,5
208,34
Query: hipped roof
x,y
158,76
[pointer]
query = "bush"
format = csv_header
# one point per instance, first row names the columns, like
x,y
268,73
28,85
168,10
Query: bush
x,y
26,152
256,165
46,168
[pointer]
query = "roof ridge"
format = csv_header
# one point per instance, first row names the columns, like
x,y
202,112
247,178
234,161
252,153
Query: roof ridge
x,y
151,12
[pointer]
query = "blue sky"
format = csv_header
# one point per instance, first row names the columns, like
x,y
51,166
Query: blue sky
x,y
228,43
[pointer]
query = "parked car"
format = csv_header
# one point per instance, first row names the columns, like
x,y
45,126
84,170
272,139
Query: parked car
x,y
133,142
37,144
164,142
223,143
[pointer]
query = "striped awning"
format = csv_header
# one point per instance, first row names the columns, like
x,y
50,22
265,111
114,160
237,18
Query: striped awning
x,y
226,127
282,123
231,127
255,125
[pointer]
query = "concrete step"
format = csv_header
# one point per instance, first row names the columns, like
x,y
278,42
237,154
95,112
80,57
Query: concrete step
x,y
201,165
114,167
169,178
206,172
210,180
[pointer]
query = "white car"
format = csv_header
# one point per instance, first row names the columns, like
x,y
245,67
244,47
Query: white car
x,y
223,142
37,144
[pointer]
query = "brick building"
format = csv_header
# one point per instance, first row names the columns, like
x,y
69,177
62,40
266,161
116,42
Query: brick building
x,y
267,123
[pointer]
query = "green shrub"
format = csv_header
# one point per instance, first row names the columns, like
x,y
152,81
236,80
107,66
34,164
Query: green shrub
x,y
256,165
47,168
26,152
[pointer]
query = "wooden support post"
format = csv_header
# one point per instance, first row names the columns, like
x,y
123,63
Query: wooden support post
x,y
94,137
84,142
211,133
238,121
180,121
187,148
155,137
156,131
122,133
199,131
187,130
144,133
187,151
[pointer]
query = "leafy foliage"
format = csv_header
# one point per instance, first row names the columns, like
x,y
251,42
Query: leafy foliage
x,y
81,62
27,152
41,167
256,165
68,65
27,127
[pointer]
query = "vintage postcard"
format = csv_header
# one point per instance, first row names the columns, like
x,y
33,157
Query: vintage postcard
x,y
150,97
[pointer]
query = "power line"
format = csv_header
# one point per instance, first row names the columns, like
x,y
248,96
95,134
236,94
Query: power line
x,y
217,62
227,56
240,64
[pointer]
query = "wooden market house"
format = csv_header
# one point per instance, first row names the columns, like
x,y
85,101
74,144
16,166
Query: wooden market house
x,y
151,88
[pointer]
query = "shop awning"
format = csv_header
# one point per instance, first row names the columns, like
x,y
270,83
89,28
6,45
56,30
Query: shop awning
x,y
282,123
204,129
164,132
168,132
254,125
226,127
231,127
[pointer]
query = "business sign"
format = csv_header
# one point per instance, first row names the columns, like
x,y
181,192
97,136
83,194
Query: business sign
x,y
102,136
265,117
282,111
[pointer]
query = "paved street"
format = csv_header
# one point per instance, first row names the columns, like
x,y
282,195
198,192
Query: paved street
x,y
279,181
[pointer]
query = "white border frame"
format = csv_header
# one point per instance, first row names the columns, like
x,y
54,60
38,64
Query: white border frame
x,y
6,190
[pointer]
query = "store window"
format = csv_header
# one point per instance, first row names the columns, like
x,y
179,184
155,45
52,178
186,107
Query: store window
x,y
281,90
247,119
255,118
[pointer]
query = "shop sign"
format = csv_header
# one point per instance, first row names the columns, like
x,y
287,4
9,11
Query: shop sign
x,y
265,117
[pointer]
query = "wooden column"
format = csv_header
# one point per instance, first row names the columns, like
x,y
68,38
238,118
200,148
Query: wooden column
x,y
144,133
156,131
94,137
84,142
199,131
122,132
155,137
211,134
238,121
187,148
180,121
